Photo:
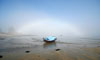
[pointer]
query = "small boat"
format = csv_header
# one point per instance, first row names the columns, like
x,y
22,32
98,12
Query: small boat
x,y
50,39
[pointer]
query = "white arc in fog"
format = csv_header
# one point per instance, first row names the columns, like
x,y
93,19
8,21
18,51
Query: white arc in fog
x,y
49,27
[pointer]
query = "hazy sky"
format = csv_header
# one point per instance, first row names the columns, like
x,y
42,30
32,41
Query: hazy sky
x,y
81,17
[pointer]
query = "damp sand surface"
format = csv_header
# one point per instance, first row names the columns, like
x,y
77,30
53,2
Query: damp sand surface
x,y
34,48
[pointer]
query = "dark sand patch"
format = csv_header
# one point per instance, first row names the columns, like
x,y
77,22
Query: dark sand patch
x,y
1,56
27,51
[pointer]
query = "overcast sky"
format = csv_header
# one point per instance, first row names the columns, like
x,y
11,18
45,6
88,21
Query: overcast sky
x,y
79,17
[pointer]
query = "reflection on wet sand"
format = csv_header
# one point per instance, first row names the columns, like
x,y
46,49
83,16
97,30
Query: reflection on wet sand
x,y
49,45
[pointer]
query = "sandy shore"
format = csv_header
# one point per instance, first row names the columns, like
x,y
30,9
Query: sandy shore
x,y
68,54
27,48
90,54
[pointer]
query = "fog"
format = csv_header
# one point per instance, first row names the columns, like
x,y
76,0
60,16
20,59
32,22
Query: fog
x,y
50,28
38,19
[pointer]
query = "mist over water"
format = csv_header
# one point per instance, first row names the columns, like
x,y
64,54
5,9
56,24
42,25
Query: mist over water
x,y
71,19
50,27
42,24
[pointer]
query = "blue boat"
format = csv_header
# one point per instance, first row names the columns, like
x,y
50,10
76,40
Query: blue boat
x,y
50,39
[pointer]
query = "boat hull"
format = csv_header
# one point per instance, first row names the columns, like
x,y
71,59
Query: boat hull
x,y
49,41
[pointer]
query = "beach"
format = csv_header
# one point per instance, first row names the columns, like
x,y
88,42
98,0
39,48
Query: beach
x,y
34,48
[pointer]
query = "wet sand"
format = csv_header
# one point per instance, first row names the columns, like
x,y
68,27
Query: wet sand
x,y
80,54
39,50
90,54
